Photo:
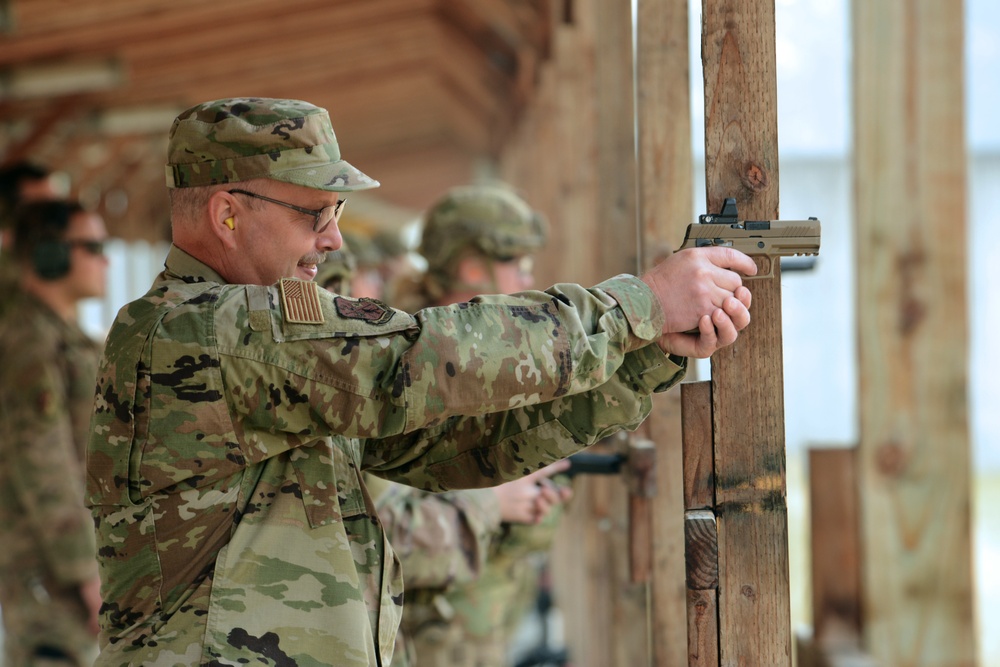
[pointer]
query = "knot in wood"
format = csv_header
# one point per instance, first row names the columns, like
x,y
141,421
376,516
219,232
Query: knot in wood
x,y
754,177
891,458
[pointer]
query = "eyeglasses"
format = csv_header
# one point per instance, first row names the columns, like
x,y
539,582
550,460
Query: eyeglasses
x,y
525,263
321,217
95,248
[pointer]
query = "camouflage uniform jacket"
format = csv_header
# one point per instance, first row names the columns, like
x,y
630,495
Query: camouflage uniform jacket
x,y
47,373
232,424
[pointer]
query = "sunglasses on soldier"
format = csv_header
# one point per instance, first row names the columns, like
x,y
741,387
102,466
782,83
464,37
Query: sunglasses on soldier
x,y
93,247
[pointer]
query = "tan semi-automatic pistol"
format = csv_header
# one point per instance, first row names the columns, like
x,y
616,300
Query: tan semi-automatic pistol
x,y
761,239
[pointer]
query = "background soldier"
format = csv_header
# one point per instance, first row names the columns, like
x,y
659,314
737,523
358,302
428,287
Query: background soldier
x,y
48,572
476,240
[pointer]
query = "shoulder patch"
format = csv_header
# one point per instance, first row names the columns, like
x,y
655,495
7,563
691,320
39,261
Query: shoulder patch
x,y
372,311
300,301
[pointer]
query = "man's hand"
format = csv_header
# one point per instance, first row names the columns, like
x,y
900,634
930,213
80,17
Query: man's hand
x,y
90,593
703,298
529,499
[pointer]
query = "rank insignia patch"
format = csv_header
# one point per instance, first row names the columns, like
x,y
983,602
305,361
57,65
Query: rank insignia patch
x,y
369,310
300,301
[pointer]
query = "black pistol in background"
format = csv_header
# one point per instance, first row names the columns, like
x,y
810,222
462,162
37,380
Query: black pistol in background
x,y
759,239
586,463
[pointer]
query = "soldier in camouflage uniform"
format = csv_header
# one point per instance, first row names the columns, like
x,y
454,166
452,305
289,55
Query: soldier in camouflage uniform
x,y
238,407
48,571
476,239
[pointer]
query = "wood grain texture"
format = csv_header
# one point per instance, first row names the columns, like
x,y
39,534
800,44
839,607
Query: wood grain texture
x,y
834,543
702,629
698,445
665,170
741,150
911,297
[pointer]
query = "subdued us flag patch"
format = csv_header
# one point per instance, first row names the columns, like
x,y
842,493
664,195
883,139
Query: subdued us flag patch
x,y
300,301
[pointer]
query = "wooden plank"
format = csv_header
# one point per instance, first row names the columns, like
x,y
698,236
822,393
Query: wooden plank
x,y
557,168
45,38
665,170
698,447
701,538
616,242
703,629
910,163
640,480
741,158
834,542
701,541
614,246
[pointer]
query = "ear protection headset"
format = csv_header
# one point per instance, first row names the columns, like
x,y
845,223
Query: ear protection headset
x,y
51,256
51,259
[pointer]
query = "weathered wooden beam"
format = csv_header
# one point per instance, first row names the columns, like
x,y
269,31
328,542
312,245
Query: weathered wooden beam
x,y
702,548
613,245
915,454
640,480
741,159
616,242
701,535
834,543
665,169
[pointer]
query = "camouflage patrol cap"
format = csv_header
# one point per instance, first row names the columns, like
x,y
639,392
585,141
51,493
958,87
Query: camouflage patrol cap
x,y
239,139
491,218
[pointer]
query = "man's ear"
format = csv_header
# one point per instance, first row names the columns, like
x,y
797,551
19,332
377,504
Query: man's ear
x,y
222,217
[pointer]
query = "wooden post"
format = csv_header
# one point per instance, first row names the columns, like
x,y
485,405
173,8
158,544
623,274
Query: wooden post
x,y
701,536
640,480
834,537
741,159
665,170
913,332
836,561
615,250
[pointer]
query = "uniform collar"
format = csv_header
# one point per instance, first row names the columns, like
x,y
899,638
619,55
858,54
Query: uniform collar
x,y
182,266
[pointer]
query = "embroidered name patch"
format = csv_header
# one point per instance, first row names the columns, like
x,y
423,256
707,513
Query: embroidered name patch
x,y
369,310
300,301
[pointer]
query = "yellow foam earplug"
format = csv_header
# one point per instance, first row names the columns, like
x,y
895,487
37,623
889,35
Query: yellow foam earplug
x,y
230,223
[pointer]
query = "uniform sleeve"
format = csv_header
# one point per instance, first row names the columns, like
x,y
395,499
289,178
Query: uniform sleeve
x,y
45,470
467,452
396,374
441,539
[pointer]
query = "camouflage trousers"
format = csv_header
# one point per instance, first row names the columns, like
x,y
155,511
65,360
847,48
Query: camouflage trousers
x,y
44,628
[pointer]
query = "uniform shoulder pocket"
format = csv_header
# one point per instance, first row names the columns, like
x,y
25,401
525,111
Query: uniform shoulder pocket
x,y
304,310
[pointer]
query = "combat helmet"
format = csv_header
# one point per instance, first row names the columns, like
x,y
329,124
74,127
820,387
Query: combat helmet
x,y
490,218
336,271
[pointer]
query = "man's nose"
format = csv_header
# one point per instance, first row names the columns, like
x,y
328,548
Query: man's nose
x,y
330,239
